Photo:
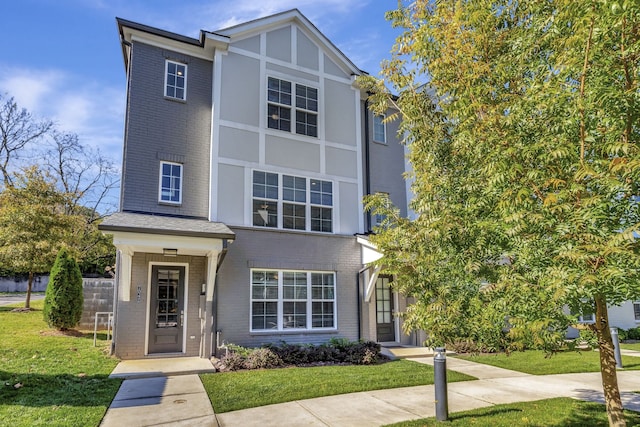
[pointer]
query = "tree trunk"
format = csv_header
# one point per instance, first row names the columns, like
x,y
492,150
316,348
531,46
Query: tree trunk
x,y
27,303
608,365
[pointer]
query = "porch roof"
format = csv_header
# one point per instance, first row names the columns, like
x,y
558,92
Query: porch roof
x,y
165,225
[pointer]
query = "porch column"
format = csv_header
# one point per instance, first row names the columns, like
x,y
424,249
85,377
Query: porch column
x,y
124,273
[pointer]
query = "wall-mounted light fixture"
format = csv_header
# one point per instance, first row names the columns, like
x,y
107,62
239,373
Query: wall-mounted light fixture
x,y
169,252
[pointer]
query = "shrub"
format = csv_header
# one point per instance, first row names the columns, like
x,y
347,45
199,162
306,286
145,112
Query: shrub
x,y
63,302
263,358
233,361
633,334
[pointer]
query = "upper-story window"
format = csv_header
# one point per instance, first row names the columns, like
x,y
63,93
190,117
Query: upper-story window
x,y
292,202
170,183
281,109
175,85
379,131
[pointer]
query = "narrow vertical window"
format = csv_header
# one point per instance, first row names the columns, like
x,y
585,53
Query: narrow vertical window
x,y
379,131
294,196
636,310
170,183
265,199
175,80
321,205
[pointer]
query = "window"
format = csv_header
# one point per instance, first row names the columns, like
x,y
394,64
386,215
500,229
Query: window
x,y
283,300
636,310
280,106
170,183
175,80
292,202
379,132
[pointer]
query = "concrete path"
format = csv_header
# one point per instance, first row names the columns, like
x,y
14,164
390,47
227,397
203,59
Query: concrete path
x,y
163,392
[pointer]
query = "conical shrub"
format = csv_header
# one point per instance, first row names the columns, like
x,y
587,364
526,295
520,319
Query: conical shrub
x,y
63,300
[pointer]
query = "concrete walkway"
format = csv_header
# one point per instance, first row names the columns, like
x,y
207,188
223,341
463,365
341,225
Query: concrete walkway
x,y
163,392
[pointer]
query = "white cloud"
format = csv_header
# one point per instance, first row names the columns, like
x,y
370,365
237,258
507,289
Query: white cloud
x,y
91,110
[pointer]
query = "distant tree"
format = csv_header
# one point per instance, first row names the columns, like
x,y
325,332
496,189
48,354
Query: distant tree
x,y
33,224
18,128
522,121
63,302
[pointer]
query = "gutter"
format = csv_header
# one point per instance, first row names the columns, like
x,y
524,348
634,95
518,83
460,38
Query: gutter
x,y
367,159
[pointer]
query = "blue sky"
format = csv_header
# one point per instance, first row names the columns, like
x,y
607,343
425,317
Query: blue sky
x,y
61,59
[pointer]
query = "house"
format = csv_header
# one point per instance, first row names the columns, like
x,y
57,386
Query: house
x,y
247,153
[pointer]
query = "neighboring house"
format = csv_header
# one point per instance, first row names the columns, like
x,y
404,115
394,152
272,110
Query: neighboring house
x,y
625,316
247,153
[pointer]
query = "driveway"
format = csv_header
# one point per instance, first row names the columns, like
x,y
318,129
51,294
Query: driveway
x,y
17,297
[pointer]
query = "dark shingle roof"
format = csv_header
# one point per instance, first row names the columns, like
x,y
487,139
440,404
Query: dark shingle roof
x,y
156,224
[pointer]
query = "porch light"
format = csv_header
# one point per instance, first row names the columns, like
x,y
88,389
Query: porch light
x,y
169,252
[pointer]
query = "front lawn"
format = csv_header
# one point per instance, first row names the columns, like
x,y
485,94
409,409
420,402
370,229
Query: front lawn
x,y
537,363
559,412
634,346
230,391
48,379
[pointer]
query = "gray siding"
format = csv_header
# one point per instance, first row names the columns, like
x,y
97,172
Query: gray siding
x,y
387,164
287,251
163,129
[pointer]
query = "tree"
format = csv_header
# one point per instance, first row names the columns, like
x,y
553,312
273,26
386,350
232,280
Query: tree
x,y
33,225
64,300
526,166
18,128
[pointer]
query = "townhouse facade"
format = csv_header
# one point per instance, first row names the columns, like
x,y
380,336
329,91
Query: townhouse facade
x,y
247,153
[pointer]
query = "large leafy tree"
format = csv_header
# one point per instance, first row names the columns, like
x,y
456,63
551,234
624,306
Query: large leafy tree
x,y
526,166
33,224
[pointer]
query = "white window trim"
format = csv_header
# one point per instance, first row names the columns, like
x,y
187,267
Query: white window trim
x,y
280,303
384,129
581,319
308,205
293,107
166,74
169,202
633,306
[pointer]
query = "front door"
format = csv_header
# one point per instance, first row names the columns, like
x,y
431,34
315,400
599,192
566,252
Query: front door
x,y
384,310
166,309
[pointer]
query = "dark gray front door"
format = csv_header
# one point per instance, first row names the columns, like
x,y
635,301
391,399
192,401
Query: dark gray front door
x,y
384,310
167,309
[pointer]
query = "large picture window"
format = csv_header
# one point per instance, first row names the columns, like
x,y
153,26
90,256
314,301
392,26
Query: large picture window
x,y
284,300
281,108
175,84
170,183
292,202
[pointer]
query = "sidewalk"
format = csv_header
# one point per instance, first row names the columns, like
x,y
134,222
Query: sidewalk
x,y
180,400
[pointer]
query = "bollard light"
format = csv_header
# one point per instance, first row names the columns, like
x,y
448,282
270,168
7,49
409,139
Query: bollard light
x,y
616,347
440,382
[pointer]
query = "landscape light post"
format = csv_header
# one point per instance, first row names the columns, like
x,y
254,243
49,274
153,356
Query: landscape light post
x,y
440,381
616,347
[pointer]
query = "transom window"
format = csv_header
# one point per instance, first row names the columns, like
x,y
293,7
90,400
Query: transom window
x,y
175,80
283,300
292,202
280,106
170,183
379,131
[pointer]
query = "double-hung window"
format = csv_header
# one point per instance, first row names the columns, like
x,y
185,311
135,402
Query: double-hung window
x,y
281,109
292,202
170,183
636,310
299,300
379,131
175,82
321,205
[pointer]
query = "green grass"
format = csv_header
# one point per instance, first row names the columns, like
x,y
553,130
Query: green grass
x,y
536,363
64,379
230,391
559,412
634,346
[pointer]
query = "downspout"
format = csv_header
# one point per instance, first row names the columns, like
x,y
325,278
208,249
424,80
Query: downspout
x,y
214,326
116,287
360,295
367,160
